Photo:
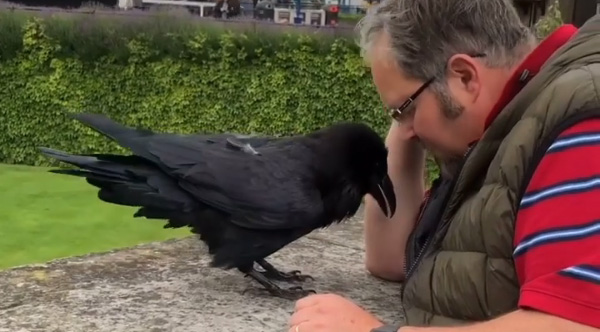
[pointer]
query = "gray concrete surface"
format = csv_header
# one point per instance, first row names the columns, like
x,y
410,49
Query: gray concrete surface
x,y
167,286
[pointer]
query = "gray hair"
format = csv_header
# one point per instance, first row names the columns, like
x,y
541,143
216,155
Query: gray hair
x,y
424,34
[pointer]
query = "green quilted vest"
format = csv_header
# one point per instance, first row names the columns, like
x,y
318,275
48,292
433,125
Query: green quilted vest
x,y
466,272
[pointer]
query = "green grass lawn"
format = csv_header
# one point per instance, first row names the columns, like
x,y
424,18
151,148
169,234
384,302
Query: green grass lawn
x,y
44,216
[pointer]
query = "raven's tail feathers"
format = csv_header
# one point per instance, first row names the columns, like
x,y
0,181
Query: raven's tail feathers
x,y
108,127
131,181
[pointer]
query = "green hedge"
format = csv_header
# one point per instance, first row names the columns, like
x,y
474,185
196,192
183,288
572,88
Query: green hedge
x,y
169,75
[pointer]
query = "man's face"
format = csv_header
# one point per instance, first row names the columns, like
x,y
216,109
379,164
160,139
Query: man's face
x,y
444,124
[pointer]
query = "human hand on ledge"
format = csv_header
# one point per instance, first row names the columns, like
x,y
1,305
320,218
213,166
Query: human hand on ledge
x,y
330,313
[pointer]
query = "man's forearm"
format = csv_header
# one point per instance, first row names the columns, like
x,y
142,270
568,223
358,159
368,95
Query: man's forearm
x,y
517,321
386,239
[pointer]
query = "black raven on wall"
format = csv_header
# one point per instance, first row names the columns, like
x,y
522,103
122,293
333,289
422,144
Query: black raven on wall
x,y
246,197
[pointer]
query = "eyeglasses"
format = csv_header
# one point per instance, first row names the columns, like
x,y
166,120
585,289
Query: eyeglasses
x,y
399,113
396,113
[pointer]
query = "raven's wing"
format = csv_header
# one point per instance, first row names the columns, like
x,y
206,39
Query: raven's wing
x,y
267,191
255,141
273,190
244,143
135,138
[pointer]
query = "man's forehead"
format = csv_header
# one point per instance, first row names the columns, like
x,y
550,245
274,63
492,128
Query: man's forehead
x,y
382,52
393,86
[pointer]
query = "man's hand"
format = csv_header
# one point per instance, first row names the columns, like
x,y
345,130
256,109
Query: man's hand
x,y
330,313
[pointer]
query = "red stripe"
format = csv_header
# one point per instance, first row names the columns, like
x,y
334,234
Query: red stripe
x,y
538,269
555,256
564,306
563,211
588,126
566,165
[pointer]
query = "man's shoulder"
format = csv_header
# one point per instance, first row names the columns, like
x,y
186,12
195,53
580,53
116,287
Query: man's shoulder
x,y
566,99
585,127
575,138
569,164
581,83
588,72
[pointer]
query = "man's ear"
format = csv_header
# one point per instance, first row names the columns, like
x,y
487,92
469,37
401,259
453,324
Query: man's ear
x,y
463,70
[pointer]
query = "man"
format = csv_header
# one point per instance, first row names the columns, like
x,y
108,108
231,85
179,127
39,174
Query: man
x,y
511,240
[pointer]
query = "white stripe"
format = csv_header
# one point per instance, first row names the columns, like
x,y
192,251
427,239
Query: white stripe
x,y
573,186
582,271
557,235
574,140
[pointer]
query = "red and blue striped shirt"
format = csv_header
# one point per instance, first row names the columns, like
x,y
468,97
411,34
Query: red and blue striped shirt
x,y
557,236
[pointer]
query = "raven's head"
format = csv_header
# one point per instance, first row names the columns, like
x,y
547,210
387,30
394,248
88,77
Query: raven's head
x,y
358,154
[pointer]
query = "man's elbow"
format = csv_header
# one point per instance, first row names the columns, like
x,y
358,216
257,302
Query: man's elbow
x,y
389,272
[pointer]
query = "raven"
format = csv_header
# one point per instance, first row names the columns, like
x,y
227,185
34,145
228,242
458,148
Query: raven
x,y
246,197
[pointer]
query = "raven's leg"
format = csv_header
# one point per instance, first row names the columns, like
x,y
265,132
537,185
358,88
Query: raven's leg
x,y
272,273
292,293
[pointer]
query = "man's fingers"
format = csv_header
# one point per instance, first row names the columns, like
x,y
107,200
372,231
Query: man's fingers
x,y
301,316
302,327
307,302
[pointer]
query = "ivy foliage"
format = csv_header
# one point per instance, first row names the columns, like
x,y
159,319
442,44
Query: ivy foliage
x,y
170,75
550,21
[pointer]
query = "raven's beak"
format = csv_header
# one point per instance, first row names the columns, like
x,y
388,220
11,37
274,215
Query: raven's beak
x,y
383,192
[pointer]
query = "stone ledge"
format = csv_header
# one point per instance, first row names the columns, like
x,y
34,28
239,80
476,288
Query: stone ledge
x,y
166,286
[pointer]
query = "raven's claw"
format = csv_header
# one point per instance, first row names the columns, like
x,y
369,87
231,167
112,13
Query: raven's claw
x,y
292,293
272,273
287,276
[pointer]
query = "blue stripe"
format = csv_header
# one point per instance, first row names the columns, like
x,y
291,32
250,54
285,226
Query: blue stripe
x,y
573,141
583,272
563,188
557,234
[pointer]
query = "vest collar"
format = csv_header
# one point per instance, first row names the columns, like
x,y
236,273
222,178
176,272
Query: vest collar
x,y
530,67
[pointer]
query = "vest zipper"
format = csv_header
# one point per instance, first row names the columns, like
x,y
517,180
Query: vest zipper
x,y
425,201
408,271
